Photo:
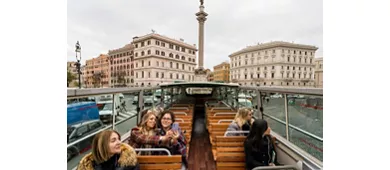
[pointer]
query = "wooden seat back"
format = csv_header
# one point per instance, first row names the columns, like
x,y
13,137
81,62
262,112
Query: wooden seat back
x,y
159,162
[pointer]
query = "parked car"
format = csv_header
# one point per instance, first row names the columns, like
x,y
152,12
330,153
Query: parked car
x,y
78,131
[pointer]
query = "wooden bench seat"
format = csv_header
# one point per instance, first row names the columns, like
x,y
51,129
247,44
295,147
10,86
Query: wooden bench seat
x,y
160,162
230,161
229,144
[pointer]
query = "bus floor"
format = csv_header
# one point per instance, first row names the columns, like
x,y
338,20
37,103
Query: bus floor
x,y
200,155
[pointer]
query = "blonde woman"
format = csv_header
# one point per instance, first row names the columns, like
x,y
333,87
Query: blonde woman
x,y
243,116
146,135
108,152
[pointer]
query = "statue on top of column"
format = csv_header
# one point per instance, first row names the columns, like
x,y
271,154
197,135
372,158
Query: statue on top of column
x,y
201,2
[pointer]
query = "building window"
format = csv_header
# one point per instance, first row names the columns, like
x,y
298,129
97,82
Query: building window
x,y
170,46
170,75
142,63
149,75
148,42
136,45
162,63
142,74
182,76
156,74
272,75
142,44
177,76
273,67
136,74
162,75
136,54
245,76
182,66
288,59
157,52
171,55
162,44
157,63
148,63
177,56
162,53
183,58
170,63
157,42
149,52
177,65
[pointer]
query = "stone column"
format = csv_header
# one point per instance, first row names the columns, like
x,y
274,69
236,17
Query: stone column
x,y
200,74
201,17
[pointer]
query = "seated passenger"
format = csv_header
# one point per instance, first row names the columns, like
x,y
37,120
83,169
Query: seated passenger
x,y
248,124
146,135
108,152
168,126
259,147
243,116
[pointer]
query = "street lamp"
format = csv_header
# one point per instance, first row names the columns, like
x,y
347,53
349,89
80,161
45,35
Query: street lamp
x,y
78,58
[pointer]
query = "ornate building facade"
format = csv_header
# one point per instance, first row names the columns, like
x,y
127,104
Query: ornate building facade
x,y
274,64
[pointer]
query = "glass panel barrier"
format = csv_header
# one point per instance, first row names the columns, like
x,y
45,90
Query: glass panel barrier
x,y
123,123
85,118
306,123
148,99
274,111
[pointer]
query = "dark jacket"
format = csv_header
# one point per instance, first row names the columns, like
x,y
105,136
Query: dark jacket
x,y
126,160
261,156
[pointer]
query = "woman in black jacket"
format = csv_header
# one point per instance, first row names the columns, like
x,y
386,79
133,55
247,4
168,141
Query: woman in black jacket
x,y
258,146
109,153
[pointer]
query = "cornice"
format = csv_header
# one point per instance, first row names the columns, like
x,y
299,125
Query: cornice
x,y
273,45
165,39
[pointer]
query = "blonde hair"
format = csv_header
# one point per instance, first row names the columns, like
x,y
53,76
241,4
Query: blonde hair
x,y
241,116
143,125
100,146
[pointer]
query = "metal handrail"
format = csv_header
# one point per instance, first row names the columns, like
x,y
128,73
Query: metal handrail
x,y
101,91
225,120
295,128
290,167
153,149
225,113
235,132
94,133
178,108
289,90
220,108
180,113
77,93
182,120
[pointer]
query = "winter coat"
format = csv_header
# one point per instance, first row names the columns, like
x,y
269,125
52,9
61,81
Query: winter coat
x,y
126,160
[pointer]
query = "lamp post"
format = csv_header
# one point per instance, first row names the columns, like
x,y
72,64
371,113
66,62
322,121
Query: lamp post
x,y
78,58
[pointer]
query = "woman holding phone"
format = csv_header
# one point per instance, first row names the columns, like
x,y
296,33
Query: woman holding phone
x,y
170,128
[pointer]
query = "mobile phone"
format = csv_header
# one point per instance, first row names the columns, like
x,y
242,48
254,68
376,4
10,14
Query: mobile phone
x,y
175,127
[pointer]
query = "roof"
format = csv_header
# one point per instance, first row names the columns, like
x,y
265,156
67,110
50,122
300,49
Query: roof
x,y
273,44
199,84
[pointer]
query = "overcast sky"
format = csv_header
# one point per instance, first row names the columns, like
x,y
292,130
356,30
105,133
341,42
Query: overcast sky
x,y
101,25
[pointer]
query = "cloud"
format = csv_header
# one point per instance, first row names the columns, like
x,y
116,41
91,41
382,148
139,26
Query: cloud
x,y
101,25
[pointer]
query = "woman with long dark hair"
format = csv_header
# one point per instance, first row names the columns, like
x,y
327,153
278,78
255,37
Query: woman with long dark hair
x,y
259,147
169,127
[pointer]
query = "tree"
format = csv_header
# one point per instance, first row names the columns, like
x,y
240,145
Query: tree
x,y
70,77
121,80
97,79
